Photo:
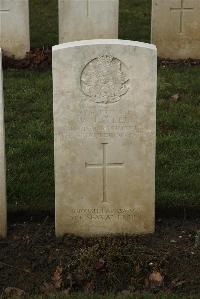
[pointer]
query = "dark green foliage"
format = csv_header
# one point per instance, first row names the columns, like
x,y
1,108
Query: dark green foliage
x,y
29,140
43,23
135,20
178,138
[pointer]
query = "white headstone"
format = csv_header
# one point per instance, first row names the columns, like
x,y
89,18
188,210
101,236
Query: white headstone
x,y
105,128
88,19
14,27
3,226
176,28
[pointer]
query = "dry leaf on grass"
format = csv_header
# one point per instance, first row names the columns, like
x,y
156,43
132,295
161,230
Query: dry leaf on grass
x,y
125,292
11,291
177,283
154,281
47,288
174,97
57,278
55,284
89,287
100,264
66,292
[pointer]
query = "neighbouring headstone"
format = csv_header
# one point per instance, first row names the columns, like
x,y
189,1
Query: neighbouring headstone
x,y
3,216
105,128
176,28
88,19
14,27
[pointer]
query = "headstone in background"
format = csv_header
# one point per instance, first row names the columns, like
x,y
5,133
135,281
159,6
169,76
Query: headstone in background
x,y
14,27
105,131
88,19
3,216
176,28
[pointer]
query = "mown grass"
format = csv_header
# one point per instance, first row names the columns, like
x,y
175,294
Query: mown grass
x,y
29,139
43,23
178,138
135,20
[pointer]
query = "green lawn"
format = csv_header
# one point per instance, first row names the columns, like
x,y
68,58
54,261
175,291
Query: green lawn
x,y
135,20
29,121
43,23
29,139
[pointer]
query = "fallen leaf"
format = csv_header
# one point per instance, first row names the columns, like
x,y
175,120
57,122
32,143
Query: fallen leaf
x,y
69,280
47,288
175,97
154,281
66,292
57,278
177,283
125,292
100,264
172,241
89,287
11,291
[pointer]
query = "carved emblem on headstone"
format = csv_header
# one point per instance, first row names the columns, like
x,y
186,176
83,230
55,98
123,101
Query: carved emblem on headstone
x,y
104,80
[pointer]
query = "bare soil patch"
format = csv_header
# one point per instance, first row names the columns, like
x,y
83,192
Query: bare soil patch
x,y
41,58
32,259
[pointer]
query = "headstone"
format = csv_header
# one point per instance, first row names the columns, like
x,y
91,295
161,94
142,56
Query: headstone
x,y
3,227
176,28
105,128
88,19
14,27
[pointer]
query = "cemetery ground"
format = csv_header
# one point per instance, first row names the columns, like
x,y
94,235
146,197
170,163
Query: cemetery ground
x,y
31,258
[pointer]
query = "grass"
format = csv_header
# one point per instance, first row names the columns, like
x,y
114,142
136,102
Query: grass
x,y
135,20
43,23
29,121
29,139
178,138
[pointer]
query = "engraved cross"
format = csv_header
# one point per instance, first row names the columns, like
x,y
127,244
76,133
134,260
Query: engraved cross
x,y
104,165
4,10
181,10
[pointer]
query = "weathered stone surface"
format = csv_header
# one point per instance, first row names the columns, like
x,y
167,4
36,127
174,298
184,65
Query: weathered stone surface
x,y
105,127
176,28
88,19
3,226
14,27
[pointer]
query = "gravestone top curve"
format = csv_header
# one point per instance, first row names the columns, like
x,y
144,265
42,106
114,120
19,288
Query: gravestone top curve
x,y
104,42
